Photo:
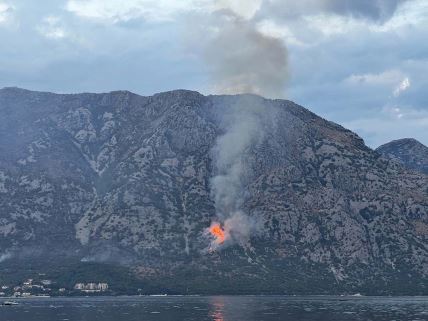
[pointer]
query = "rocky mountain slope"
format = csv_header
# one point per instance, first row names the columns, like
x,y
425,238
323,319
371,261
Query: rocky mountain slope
x,y
409,152
128,180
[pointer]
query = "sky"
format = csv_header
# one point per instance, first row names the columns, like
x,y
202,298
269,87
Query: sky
x,y
360,63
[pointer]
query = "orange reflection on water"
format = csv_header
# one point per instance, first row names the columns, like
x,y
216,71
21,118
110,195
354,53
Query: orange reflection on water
x,y
218,309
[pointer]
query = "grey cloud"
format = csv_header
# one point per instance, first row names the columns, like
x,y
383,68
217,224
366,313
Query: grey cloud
x,y
375,10
379,10
318,80
92,57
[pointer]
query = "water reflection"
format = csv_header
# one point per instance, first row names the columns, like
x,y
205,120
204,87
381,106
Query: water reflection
x,y
256,308
217,304
235,308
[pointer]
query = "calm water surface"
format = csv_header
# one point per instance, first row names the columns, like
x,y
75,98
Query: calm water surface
x,y
219,308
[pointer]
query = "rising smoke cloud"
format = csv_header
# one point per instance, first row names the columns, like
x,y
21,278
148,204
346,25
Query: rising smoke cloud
x,y
243,130
246,124
242,59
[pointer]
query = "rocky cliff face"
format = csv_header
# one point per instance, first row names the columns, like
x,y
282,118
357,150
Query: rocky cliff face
x,y
409,152
128,179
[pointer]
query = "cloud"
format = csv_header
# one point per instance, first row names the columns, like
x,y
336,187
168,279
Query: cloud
x,y
344,59
378,10
157,10
411,13
123,11
390,123
374,10
390,78
246,9
6,12
51,27
402,87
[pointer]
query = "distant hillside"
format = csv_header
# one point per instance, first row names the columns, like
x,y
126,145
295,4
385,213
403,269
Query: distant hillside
x,y
409,152
122,179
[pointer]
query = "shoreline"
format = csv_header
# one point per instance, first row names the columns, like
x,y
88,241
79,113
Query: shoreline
x,y
314,296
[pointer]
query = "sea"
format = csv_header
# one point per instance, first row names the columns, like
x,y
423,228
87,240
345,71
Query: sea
x,y
218,308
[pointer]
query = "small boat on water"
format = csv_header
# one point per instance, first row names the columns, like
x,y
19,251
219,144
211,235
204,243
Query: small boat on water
x,y
9,303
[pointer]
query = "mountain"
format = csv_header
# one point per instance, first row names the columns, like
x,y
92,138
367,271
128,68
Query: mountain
x,y
129,185
409,152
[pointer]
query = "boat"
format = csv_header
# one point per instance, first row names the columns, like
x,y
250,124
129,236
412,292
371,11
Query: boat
x,y
9,303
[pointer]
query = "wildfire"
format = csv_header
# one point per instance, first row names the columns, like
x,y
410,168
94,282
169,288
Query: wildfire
x,y
218,233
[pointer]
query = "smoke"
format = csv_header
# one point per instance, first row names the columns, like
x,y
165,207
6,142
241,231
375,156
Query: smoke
x,y
244,124
240,227
242,59
5,256
107,252
244,129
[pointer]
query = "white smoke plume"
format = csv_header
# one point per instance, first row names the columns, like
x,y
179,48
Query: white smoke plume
x,y
245,126
243,129
241,59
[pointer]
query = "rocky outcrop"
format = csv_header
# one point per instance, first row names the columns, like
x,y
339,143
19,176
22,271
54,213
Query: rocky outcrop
x,y
123,178
409,152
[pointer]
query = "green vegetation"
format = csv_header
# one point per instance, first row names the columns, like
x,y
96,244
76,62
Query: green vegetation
x,y
230,274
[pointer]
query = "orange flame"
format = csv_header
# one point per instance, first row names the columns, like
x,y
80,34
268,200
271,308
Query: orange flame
x,y
218,233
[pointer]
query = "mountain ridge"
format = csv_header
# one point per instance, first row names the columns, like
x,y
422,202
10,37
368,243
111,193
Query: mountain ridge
x,y
125,179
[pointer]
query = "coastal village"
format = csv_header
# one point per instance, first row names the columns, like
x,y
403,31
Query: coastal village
x,y
46,288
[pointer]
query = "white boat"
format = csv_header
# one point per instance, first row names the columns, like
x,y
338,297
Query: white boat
x,y
10,303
